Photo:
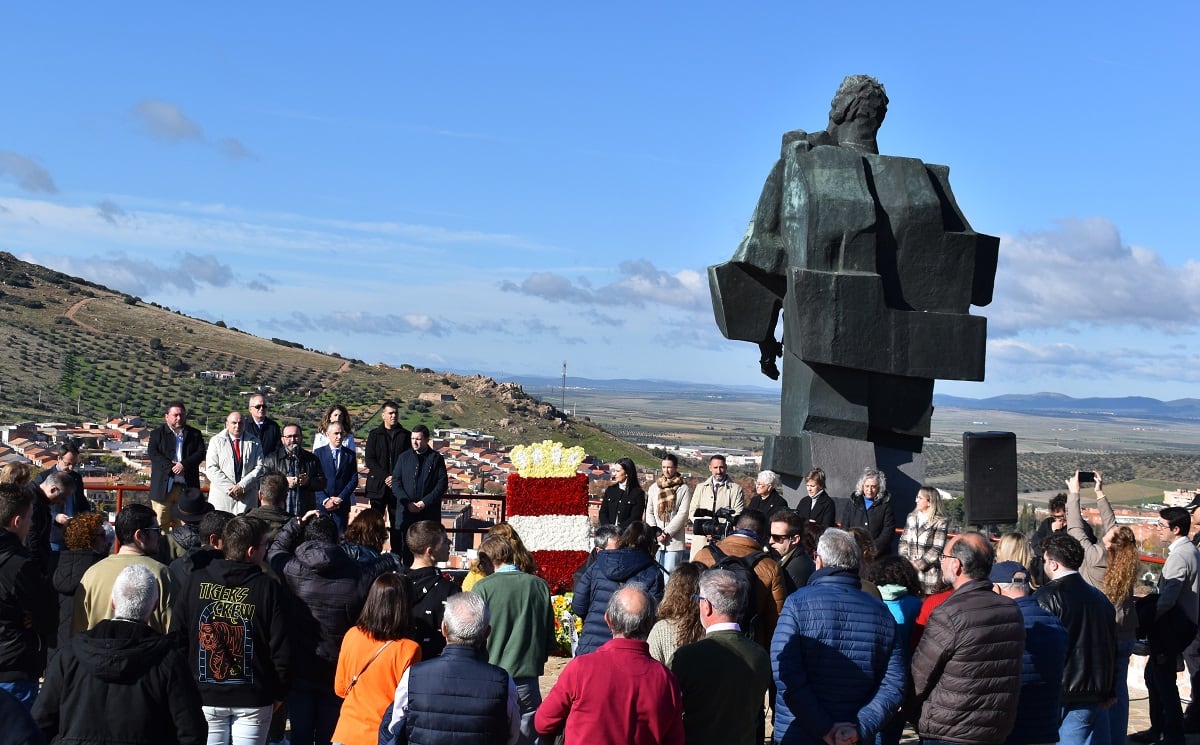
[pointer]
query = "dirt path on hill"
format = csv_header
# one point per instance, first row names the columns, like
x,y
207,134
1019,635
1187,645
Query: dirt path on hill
x,y
74,309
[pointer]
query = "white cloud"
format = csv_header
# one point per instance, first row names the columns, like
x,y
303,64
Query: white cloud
x,y
1081,274
640,283
27,173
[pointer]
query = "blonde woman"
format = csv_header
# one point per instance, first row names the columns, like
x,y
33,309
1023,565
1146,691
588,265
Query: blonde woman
x,y
924,538
1016,547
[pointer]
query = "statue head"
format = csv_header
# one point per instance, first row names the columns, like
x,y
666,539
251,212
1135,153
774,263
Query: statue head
x,y
857,111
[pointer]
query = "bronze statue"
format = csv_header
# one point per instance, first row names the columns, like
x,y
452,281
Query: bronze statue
x,y
874,269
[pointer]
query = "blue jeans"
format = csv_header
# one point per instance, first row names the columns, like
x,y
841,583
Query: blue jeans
x,y
1083,724
669,559
529,696
314,714
25,691
239,725
1118,713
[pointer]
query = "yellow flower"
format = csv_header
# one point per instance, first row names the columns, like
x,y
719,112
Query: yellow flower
x,y
546,459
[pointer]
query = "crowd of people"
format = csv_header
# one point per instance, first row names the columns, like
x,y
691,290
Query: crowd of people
x,y
280,618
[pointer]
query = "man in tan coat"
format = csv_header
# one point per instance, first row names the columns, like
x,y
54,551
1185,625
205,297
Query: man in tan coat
x,y
767,587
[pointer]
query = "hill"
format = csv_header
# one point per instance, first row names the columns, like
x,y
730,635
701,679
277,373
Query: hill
x,y
78,350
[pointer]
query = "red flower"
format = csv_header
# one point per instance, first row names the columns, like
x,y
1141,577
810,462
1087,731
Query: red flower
x,y
566,495
558,568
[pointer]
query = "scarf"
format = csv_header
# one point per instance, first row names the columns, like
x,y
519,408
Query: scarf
x,y
666,495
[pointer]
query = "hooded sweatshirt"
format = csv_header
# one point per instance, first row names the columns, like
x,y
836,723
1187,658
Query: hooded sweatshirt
x,y
232,620
125,667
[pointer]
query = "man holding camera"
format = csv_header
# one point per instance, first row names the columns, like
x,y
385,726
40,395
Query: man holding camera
x,y
712,494
742,552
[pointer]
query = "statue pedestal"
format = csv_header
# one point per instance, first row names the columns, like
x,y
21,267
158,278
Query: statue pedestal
x,y
843,461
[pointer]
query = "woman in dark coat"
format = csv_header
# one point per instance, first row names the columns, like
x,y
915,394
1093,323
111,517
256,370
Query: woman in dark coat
x,y
631,561
870,508
767,498
624,501
86,542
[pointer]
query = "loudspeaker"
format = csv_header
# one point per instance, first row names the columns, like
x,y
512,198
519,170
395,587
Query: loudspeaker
x,y
990,476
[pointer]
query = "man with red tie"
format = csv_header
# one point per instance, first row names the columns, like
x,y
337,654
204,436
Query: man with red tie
x,y
233,465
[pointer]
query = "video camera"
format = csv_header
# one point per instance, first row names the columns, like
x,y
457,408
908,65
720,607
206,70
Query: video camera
x,y
713,524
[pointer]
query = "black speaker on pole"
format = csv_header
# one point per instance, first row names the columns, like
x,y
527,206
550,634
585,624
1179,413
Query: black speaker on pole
x,y
990,476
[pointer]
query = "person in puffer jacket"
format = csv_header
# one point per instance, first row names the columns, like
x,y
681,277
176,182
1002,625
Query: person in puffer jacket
x,y
330,589
631,561
836,655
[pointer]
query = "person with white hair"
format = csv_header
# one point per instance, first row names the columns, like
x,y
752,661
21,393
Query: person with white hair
x,y
767,498
870,507
428,706
122,659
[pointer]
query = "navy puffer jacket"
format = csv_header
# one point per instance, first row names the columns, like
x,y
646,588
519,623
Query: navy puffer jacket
x,y
606,575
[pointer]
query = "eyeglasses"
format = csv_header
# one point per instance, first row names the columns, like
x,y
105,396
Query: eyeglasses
x,y
289,437
698,598
948,556
259,406
782,538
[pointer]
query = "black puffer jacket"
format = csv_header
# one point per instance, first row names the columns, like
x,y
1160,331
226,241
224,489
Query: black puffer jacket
x,y
329,590
120,682
1087,615
966,671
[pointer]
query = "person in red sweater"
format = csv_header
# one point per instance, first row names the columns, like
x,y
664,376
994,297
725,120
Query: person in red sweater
x,y
617,695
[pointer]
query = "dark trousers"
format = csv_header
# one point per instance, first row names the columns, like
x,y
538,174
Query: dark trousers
x,y
1169,637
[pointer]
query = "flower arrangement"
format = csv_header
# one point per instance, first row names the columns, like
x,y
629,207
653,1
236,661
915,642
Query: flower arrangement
x,y
547,506
546,459
567,626
558,568
547,496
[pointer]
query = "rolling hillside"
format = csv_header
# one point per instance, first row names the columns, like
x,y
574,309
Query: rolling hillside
x,y
78,350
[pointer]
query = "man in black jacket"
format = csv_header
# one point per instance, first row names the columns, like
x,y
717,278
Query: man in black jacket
x,y
262,426
28,603
122,660
68,459
1089,678
429,545
302,470
46,528
175,451
384,445
418,482
233,621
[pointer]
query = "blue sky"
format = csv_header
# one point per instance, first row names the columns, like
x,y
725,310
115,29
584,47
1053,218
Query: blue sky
x,y
502,187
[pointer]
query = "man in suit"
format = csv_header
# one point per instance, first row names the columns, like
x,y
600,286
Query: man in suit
x,y
384,445
724,677
341,476
262,427
301,468
712,494
418,482
175,453
68,458
232,465
1172,628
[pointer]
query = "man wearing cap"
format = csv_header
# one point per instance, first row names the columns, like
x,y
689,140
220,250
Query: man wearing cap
x,y
1041,663
176,451
188,512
